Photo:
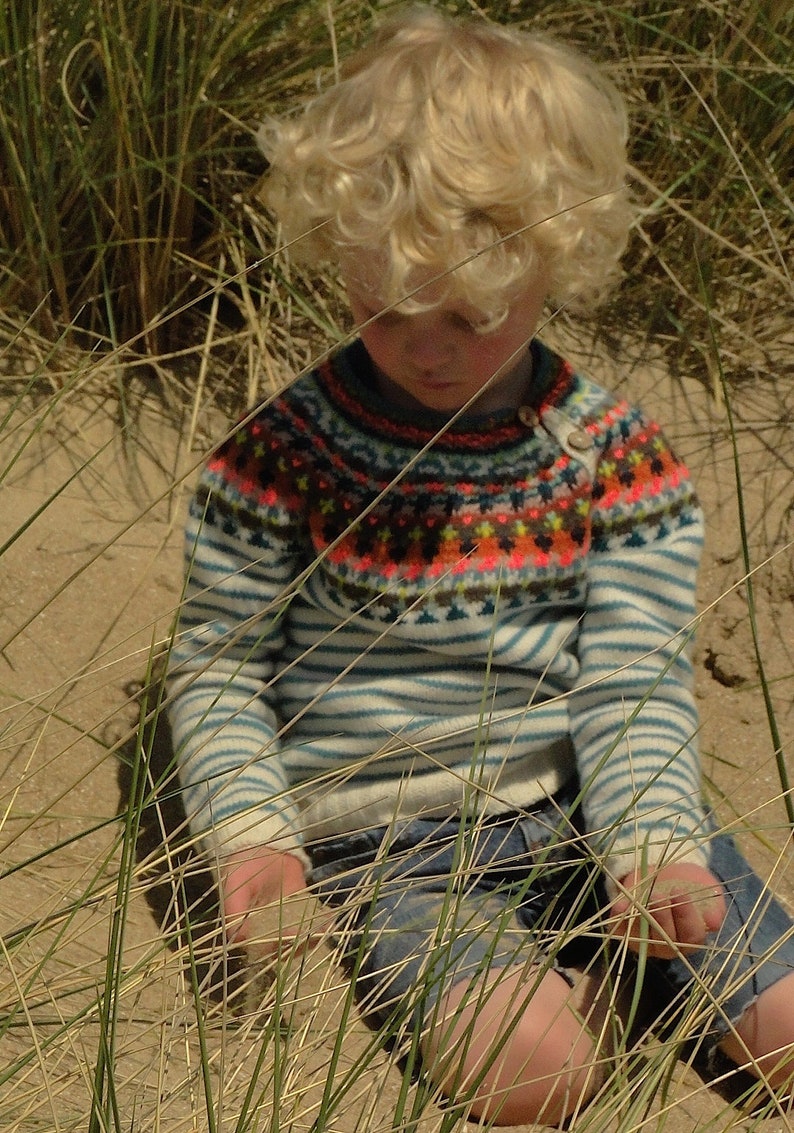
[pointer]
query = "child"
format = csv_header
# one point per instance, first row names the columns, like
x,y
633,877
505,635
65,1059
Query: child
x,y
432,659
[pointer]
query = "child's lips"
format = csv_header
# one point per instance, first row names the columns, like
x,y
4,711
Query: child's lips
x,y
435,380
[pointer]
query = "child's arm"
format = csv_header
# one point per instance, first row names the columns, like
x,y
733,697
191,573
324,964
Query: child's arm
x,y
670,910
633,715
242,562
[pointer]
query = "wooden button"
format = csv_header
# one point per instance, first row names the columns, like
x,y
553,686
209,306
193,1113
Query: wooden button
x,y
528,417
580,440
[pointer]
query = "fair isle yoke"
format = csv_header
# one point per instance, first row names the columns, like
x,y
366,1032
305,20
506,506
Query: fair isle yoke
x,y
387,616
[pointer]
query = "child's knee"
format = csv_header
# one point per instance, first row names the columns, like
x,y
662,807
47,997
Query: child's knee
x,y
514,1048
762,1041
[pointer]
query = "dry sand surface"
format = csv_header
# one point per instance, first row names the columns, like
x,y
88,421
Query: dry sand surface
x,y
88,583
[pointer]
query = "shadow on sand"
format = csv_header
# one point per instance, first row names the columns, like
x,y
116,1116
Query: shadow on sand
x,y
176,880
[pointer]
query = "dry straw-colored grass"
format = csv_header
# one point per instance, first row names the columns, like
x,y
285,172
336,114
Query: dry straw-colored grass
x,y
142,308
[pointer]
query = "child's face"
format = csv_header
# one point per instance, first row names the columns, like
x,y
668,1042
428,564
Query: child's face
x,y
437,357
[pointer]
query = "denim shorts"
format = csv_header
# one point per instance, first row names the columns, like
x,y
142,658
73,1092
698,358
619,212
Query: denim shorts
x,y
422,905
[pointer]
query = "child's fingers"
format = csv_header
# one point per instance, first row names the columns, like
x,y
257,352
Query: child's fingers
x,y
696,910
236,909
254,880
644,930
688,925
655,932
287,927
685,903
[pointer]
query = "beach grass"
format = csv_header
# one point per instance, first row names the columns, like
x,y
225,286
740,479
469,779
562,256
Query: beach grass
x,y
144,303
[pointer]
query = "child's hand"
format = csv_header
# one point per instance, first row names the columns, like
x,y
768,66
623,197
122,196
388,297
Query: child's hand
x,y
675,908
253,879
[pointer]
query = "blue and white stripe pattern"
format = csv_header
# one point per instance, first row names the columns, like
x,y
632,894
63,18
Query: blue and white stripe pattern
x,y
380,620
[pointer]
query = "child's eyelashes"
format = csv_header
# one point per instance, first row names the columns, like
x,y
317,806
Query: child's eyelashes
x,y
471,324
391,317
387,317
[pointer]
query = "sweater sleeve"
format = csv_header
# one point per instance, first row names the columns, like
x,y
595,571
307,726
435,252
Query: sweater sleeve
x,y
222,711
633,715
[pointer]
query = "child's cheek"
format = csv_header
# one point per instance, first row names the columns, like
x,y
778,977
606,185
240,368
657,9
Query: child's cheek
x,y
377,343
488,358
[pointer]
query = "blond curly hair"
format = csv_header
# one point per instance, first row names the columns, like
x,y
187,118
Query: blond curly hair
x,y
459,147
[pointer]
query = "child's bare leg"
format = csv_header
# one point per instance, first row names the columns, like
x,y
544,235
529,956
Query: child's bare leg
x,y
763,1039
517,1045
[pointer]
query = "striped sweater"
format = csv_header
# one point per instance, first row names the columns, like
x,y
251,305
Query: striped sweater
x,y
387,615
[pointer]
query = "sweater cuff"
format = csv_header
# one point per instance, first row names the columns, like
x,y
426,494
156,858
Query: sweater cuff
x,y
621,865
253,828
647,851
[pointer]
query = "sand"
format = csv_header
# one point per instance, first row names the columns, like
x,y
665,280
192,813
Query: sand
x,y
90,575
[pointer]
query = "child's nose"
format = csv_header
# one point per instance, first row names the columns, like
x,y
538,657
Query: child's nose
x,y
430,346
